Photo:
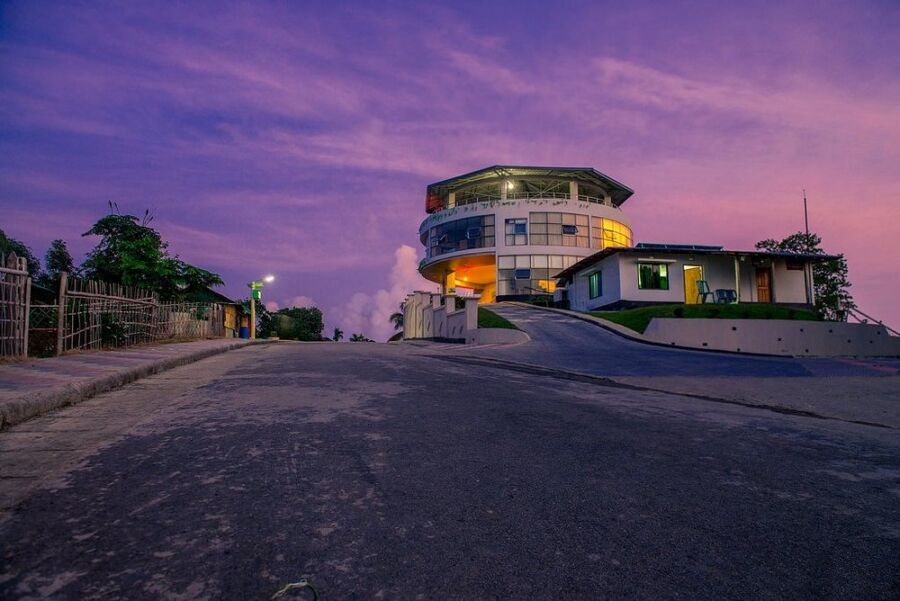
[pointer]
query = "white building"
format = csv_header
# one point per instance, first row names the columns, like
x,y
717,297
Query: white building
x,y
504,232
653,274
509,233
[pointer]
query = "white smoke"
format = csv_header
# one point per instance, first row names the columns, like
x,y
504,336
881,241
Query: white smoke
x,y
370,313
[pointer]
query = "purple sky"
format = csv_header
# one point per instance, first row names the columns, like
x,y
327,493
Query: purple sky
x,y
298,138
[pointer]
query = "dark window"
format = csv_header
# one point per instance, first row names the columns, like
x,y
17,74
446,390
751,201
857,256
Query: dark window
x,y
653,276
570,229
595,286
462,234
523,274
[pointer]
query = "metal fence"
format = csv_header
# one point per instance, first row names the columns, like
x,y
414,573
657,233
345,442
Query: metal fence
x,y
15,290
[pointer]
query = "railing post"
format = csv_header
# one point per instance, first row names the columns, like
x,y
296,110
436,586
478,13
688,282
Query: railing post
x,y
61,313
27,316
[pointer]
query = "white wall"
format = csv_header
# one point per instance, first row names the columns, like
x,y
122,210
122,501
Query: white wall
x,y
429,316
790,285
518,209
776,336
620,279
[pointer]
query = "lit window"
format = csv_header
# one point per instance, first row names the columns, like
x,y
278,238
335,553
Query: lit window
x,y
595,287
653,276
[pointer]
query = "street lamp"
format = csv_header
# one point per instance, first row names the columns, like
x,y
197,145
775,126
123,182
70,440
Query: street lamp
x,y
256,295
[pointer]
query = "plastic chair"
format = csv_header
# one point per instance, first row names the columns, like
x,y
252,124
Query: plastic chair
x,y
703,291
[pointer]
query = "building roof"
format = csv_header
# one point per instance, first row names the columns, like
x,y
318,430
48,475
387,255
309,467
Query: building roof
x,y
618,191
653,250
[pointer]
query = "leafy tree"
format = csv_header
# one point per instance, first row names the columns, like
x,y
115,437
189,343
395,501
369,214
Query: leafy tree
x,y
11,245
296,323
338,334
360,338
830,281
132,253
56,261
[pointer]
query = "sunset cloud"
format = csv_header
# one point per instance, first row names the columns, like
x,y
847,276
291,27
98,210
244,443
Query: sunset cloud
x,y
299,138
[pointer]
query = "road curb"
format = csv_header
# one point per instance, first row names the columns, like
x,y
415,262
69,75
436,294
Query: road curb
x,y
629,334
38,403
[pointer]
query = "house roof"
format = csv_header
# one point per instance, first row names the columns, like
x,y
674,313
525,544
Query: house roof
x,y
651,251
618,191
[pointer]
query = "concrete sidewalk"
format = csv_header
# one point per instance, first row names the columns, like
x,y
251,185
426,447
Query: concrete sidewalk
x,y
34,387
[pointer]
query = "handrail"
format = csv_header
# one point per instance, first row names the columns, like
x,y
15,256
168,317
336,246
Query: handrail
x,y
851,312
525,195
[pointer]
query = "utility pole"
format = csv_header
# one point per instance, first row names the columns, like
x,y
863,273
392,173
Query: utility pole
x,y
807,275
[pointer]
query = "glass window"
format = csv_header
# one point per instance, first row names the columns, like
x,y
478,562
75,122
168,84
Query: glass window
x,y
607,233
516,232
559,229
653,276
461,234
540,261
506,262
523,274
594,285
523,261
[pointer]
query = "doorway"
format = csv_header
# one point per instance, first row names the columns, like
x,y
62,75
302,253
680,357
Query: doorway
x,y
763,285
692,275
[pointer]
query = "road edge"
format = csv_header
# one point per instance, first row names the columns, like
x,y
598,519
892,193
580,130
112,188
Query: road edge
x,y
39,403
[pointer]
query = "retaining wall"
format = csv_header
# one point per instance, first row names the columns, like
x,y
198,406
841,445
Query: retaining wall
x,y
776,336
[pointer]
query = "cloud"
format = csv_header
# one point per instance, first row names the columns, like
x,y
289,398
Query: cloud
x,y
370,313
299,302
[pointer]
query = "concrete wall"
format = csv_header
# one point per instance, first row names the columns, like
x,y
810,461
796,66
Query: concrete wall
x,y
435,317
776,336
610,284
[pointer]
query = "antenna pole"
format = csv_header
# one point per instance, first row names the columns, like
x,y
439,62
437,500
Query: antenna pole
x,y
805,213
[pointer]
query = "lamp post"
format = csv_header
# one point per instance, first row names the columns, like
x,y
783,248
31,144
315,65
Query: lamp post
x,y
256,295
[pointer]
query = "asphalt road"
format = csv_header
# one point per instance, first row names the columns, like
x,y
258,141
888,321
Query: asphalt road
x,y
381,472
568,343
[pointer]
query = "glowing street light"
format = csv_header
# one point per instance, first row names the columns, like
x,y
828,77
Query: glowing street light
x,y
256,295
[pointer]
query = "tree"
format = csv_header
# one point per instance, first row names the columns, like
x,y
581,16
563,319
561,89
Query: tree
x,y
56,261
397,318
132,253
296,323
360,338
11,245
830,281
338,334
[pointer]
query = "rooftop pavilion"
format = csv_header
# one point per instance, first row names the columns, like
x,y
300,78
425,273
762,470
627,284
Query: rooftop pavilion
x,y
507,182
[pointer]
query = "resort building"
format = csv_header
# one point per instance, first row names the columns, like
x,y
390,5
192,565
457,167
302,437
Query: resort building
x,y
505,232
510,233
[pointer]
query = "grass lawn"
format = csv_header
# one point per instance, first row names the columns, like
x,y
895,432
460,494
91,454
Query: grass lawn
x,y
489,319
638,319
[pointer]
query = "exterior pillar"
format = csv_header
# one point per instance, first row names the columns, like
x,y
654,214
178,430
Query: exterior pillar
x,y
471,318
737,278
573,190
451,200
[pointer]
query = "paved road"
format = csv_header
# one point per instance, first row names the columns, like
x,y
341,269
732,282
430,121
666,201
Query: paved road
x,y
565,342
384,473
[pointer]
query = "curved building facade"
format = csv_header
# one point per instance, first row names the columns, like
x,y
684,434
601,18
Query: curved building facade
x,y
503,232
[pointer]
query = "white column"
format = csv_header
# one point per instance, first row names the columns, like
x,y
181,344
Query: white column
x,y
573,190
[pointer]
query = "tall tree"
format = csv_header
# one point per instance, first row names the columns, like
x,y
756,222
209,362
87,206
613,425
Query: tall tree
x,y
11,245
132,253
338,334
830,279
56,261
